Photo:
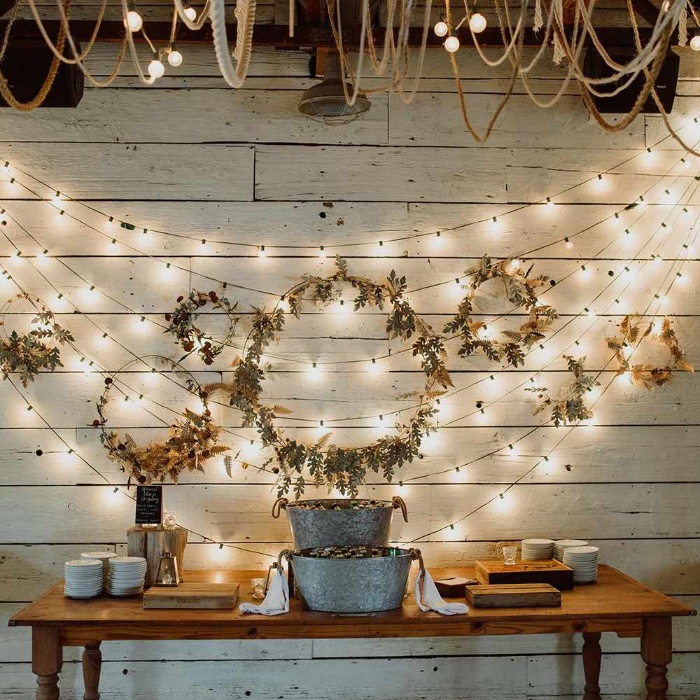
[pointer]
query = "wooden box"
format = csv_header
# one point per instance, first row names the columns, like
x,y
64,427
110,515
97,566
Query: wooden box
x,y
548,571
453,587
212,596
510,595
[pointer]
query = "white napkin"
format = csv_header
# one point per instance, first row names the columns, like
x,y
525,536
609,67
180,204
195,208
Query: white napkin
x,y
277,599
432,600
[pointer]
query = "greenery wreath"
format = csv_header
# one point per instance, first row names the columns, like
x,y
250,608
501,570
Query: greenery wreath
x,y
632,331
324,462
29,353
182,324
521,290
570,406
192,440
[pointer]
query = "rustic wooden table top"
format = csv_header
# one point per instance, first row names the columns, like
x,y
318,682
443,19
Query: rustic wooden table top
x,y
615,602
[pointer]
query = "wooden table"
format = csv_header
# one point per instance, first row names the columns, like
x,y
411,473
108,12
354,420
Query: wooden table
x,y
615,603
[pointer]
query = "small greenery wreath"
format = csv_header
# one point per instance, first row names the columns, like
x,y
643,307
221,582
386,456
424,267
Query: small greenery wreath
x,y
521,290
570,406
632,331
323,462
192,440
29,353
190,337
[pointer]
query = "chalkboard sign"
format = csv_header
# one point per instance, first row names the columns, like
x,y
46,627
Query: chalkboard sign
x,y
149,505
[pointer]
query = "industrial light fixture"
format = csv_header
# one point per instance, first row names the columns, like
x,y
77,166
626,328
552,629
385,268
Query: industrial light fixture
x,y
325,102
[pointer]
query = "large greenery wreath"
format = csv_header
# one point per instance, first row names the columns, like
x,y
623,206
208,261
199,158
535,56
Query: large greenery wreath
x,y
323,462
521,290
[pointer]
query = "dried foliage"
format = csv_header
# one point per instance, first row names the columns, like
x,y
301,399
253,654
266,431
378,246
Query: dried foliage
x,y
323,462
28,353
191,441
183,324
570,406
632,331
518,288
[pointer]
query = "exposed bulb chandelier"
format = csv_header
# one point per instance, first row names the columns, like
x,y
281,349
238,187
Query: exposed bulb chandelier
x,y
562,31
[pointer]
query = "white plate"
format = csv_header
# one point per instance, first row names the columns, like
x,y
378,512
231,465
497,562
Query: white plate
x,y
97,555
83,563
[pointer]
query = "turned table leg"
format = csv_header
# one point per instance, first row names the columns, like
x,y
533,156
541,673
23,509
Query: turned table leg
x,y
657,655
92,665
591,665
47,659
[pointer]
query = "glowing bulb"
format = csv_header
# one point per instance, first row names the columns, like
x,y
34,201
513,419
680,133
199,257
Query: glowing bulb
x,y
437,241
321,252
649,155
549,202
477,23
568,244
262,253
515,264
190,13
56,199
374,367
134,21
600,182
313,372
175,58
494,224
695,43
663,299
585,272
283,305
441,29
156,69
589,312
451,44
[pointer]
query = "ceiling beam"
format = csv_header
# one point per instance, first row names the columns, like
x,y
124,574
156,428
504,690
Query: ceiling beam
x,y
646,10
276,35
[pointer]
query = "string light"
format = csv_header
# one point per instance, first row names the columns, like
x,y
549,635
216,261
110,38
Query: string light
x,y
549,202
133,21
568,243
477,23
322,252
56,199
441,29
451,44
600,182
262,253
175,57
190,13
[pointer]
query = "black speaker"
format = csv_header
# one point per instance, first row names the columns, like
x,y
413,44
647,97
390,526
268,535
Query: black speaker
x,y
666,82
25,67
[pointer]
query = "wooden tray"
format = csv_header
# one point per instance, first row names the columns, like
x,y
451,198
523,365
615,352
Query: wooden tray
x,y
548,571
211,596
509,595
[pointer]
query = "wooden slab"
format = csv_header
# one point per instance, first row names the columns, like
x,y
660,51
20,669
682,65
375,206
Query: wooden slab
x,y
509,595
453,586
546,571
210,596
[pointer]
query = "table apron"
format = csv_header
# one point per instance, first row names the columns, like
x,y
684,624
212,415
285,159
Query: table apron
x,y
79,635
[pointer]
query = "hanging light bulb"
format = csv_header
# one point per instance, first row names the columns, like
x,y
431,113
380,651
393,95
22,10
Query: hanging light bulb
x,y
451,44
174,57
441,29
477,23
695,43
133,21
190,13
156,69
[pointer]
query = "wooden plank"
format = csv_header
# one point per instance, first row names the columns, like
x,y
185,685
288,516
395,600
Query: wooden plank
x,y
136,172
647,511
215,596
552,572
567,124
513,596
117,116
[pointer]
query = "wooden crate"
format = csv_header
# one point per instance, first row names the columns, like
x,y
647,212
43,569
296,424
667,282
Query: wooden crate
x,y
548,571
509,595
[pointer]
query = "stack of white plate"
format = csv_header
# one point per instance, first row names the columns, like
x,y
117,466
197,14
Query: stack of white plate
x,y
561,545
126,575
584,562
537,549
83,578
103,557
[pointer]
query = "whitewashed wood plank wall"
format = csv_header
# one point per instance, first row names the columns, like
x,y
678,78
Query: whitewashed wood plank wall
x,y
192,157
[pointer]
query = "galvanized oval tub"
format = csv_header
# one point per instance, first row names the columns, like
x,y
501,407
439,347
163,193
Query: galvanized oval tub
x,y
355,585
327,522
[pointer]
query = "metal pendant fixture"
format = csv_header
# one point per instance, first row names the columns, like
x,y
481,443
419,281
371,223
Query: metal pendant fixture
x,y
326,101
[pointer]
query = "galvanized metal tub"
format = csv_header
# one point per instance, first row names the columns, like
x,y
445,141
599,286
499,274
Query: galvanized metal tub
x,y
344,526
360,585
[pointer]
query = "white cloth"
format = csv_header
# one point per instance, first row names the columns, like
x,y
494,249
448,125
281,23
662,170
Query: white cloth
x,y
430,599
277,599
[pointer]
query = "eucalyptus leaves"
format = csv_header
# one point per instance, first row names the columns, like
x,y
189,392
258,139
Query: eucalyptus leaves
x,y
29,353
519,289
323,462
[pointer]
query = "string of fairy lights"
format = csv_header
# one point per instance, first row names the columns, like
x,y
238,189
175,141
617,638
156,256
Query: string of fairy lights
x,y
207,539
373,364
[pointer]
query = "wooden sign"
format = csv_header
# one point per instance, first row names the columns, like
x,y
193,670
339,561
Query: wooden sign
x,y
546,571
508,595
149,505
212,596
